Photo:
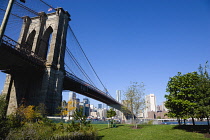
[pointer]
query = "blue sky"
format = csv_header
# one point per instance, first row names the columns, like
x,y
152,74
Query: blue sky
x,y
140,40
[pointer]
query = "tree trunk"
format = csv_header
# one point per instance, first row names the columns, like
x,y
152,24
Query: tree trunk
x,y
193,121
179,121
208,120
208,123
184,121
133,120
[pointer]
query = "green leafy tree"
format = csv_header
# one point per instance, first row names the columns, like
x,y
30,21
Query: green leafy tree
x,y
111,113
134,98
41,109
182,100
3,106
79,116
203,110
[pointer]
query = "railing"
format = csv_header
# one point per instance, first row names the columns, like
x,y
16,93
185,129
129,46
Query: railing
x,y
22,49
75,78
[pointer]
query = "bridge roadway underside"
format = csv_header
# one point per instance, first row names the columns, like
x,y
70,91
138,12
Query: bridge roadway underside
x,y
14,58
73,85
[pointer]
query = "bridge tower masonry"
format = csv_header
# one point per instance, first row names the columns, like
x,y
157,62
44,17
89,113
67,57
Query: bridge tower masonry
x,y
45,35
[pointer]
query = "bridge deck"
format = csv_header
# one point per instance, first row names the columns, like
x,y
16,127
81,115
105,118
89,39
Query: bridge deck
x,y
75,84
16,58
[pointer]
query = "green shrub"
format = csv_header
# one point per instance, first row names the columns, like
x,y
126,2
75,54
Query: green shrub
x,y
31,131
79,135
4,128
72,127
28,123
4,122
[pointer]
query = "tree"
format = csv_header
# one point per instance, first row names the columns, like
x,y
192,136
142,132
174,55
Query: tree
x,y
78,115
182,100
203,110
27,114
70,107
111,113
134,98
3,106
41,109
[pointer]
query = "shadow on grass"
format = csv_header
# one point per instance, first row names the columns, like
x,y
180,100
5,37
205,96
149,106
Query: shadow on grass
x,y
204,129
99,137
119,125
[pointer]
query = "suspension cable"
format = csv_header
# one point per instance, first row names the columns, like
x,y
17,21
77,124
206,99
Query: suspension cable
x,y
26,8
11,13
48,5
79,66
69,69
87,59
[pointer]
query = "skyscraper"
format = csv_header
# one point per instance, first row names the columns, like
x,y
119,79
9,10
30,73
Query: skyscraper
x,y
118,98
150,102
91,108
72,96
86,106
86,101
118,93
99,105
77,103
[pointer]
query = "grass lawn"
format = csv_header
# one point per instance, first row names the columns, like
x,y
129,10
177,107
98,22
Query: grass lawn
x,y
146,132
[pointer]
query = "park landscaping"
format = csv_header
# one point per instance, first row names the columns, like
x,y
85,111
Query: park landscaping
x,y
151,132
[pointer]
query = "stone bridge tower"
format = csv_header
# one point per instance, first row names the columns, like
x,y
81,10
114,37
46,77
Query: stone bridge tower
x,y
45,36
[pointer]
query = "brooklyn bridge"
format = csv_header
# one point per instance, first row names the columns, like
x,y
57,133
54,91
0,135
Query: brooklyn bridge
x,y
38,61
